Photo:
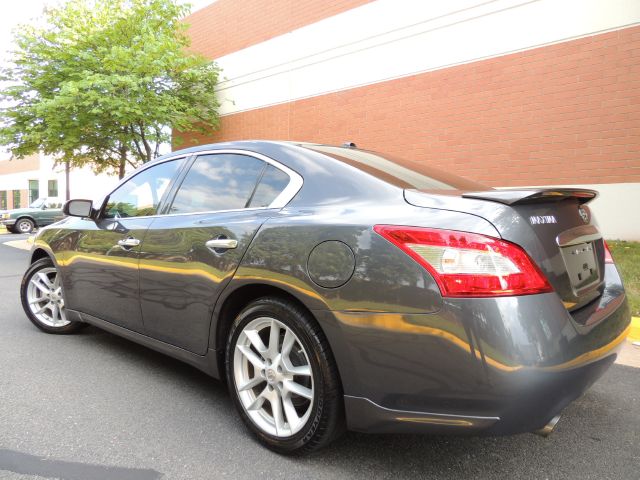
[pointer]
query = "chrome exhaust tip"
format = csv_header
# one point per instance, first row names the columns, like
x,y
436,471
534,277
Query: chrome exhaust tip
x,y
548,428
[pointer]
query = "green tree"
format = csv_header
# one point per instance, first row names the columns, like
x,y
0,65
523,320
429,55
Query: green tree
x,y
103,82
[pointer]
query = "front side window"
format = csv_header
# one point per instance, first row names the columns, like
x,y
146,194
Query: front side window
x,y
141,194
218,182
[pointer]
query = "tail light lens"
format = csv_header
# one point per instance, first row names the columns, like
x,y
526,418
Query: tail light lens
x,y
607,254
467,264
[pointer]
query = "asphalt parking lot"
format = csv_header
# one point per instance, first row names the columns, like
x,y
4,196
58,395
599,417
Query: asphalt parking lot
x,y
95,406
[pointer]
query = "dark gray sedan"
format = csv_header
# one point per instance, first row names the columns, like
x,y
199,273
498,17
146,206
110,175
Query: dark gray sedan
x,y
335,288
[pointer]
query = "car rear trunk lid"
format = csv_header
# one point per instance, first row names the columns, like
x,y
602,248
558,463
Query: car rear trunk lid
x,y
554,226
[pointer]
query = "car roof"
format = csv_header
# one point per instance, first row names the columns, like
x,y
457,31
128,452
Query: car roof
x,y
342,173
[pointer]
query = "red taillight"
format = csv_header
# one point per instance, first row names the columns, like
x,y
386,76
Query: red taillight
x,y
607,254
467,264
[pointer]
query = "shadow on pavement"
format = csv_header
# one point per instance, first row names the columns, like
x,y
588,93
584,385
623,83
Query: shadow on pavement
x,y
591,429
26,464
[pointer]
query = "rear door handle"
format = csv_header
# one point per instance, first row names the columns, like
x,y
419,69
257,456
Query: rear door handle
x,y
129,242
222,243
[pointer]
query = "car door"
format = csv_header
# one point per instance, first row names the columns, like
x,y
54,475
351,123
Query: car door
x,y
101,270
190,254
49,212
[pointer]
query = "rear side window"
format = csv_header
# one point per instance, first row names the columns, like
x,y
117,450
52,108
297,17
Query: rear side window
x,y
218,182
272,183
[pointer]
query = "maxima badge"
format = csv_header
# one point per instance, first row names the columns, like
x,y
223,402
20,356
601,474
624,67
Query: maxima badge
x,y
541,219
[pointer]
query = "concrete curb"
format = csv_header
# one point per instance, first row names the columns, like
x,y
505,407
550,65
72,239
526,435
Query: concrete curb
x,y
634,332
21,244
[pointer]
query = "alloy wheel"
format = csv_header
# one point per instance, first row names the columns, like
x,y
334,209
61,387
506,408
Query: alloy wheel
x,y
25,226
273,377
45,300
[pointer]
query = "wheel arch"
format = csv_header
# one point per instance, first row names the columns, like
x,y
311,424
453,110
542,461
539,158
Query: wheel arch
x,y
235,301
40,253
27,217
239,298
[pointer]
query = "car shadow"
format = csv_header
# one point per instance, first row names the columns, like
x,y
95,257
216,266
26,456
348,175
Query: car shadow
x,y
146,358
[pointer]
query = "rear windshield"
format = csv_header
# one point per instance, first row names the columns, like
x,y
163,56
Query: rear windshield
x,y
401,173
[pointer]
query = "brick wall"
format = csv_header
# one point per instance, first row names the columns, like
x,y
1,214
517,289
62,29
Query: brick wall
x,y
24,199
568,113
229,25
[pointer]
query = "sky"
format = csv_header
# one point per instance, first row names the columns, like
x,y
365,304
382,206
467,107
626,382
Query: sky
x,y
17,13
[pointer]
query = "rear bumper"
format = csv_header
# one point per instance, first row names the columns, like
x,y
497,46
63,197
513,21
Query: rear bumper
x,y
491,366
527,412
363,415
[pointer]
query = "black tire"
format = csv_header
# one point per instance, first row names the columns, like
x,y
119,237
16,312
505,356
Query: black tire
x,y
35,268
326,419
24,225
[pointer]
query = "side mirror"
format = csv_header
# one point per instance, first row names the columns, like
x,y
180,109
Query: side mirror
x,y
78,208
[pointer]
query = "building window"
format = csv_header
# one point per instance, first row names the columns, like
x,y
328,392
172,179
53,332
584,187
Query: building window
x,y
53,188
16,199
34,191
3,200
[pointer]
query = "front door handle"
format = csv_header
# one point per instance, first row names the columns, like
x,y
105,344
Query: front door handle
x,y
129,242
222,243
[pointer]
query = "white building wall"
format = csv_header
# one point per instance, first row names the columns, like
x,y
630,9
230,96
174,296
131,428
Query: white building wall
x,y
84,183
616,209
389,39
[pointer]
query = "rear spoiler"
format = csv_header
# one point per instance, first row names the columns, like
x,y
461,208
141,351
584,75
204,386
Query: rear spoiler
x,y
534,195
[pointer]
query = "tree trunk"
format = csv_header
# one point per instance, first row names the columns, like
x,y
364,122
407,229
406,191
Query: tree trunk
x,y
67,188
123,162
